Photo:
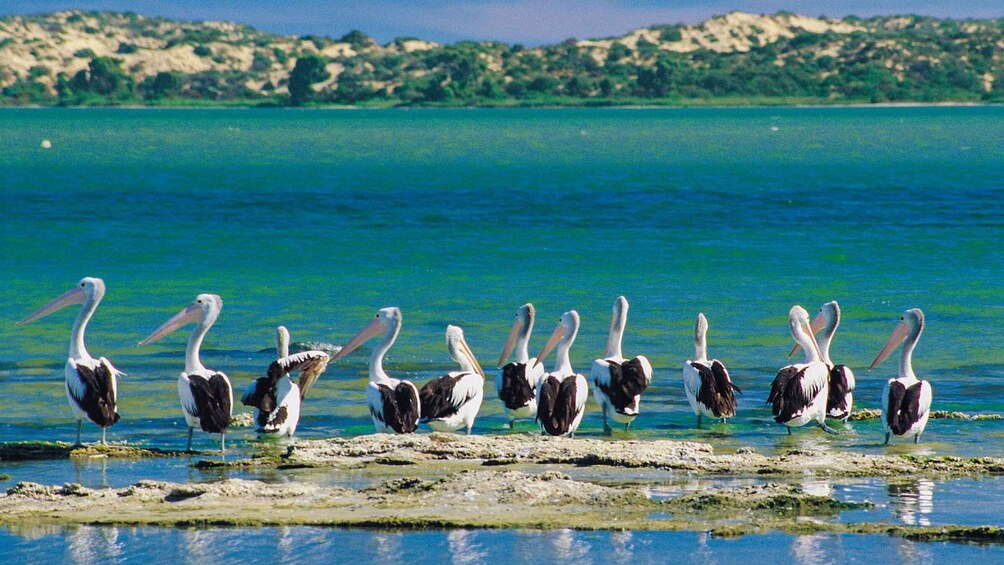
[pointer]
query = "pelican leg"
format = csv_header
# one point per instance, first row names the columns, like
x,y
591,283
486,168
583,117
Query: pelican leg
x,y
469,429
606,427
699,421
827,429
104,431
190,431
511,424
627,426
789,429
886,438
223,443
916,439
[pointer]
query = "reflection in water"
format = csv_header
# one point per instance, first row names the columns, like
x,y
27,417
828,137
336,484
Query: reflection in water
x,y
703,553
90,544
569,546
913,501
623,543
914,553
464,547
386,547
808,550
817,487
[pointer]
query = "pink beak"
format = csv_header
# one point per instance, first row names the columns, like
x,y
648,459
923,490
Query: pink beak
x,y
898,336
73,296
191,314
375,328
559,332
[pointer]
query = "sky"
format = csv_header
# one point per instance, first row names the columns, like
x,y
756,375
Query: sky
x,y
530,22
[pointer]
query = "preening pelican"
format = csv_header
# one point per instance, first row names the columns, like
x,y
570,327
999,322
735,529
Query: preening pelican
x,y
206,396
561,394
707,384
516,382
841,378
906,400
393,403
452,401
799,391
275,397
619,382
90,383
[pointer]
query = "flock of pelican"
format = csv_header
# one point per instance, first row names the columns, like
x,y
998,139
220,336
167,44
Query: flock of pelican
x,y
800,393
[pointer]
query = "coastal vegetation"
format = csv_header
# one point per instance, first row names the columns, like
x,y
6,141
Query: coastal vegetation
x,y
102,58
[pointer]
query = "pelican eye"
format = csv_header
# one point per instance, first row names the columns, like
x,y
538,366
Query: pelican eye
x,y
199,301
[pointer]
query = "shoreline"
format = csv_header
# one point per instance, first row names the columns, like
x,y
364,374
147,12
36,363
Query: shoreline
x,y
449,481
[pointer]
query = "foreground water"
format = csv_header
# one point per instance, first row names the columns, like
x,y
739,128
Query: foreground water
x,y
315,219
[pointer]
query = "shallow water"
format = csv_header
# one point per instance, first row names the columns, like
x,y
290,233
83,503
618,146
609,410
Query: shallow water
x,y
87,544
315,219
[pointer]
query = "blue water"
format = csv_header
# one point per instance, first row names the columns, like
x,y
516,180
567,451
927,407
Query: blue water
x,y
88,544
315,219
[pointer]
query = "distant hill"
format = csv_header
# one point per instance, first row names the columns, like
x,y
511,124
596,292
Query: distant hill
x,y
81,58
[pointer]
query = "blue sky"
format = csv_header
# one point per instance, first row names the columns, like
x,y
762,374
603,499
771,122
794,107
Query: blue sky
x,y
512,21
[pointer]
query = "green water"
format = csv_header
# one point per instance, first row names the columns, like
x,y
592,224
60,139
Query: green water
x,y
315,219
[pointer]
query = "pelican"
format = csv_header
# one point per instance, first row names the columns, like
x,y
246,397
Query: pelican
x,y
561,394
906,401
275,397
707,384
516,382
452,401
91,385
799,391
206,396
393,403
619,382
841,378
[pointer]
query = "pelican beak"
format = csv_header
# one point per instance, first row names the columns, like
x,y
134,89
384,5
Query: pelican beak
x,y
818,323
812,338
898,336
470,355
375,328
73,296
559,332
510,342
190,315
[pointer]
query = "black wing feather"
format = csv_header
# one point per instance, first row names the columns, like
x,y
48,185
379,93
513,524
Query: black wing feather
x,y
556,406
786,394
436,398
212,401
400,407
904,407
839,387
627,381
516,390
99,399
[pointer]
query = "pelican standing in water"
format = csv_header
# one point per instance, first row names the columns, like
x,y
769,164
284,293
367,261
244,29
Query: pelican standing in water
x,y
452,401
799,391
516,382
393,403
707,383
619,382
841,378
275,397
562,393
906,400
91,384
206,396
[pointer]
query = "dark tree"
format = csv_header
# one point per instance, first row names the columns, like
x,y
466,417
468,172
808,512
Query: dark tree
x,y
309,69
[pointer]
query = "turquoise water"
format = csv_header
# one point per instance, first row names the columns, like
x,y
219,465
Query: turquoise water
x,y
315,219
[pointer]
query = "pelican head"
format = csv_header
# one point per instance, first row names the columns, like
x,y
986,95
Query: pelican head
x,y
281,342
617,323
828,317
89,289
522,326
700,327
386,321
911,323
203,310
801,329
568,327
461,352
